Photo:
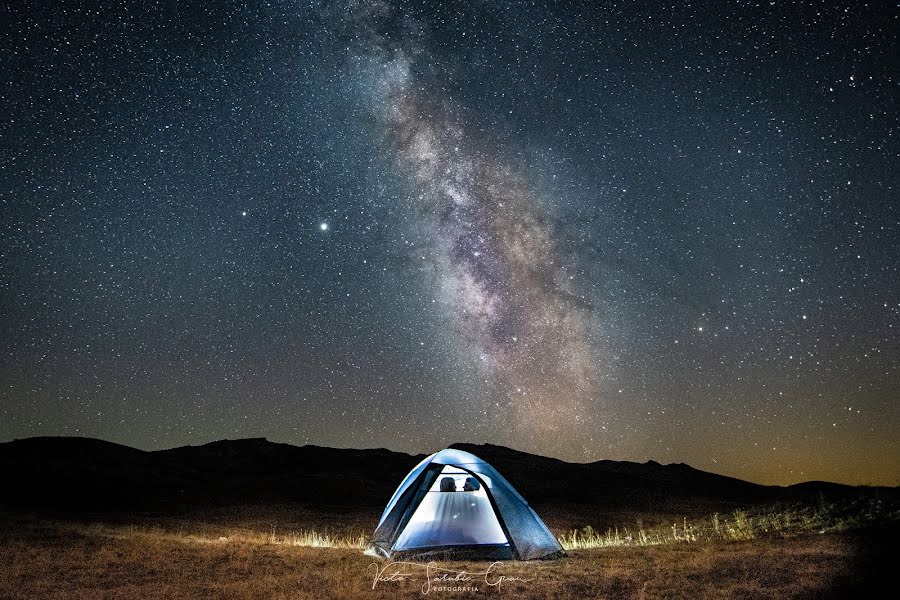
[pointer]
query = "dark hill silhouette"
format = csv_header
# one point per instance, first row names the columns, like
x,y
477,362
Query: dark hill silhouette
x,y
609,481
89,475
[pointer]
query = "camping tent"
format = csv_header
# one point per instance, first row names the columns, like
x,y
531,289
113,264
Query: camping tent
x,y
453,504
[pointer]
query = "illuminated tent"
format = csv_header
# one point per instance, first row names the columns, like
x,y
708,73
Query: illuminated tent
x,y
455,505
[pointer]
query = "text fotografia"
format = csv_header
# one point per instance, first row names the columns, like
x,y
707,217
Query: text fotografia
x,y
439,579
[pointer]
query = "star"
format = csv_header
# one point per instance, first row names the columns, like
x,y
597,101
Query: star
x,y
323,226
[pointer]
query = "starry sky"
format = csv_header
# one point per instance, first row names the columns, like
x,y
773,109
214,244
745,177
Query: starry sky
x,y
591,230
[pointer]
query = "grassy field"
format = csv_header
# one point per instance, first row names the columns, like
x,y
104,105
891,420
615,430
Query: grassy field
x,y
292,552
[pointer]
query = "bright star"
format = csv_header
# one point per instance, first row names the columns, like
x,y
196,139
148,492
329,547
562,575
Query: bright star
x,y
323,226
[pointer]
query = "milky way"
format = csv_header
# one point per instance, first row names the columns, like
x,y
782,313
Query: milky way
x,y
590,230
501,273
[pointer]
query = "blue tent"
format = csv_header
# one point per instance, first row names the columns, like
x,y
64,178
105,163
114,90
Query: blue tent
x,y
455,505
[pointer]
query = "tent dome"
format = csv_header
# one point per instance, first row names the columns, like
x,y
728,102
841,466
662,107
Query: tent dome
x,y
455,505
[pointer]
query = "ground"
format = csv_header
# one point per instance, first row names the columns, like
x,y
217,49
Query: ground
x,y
230,555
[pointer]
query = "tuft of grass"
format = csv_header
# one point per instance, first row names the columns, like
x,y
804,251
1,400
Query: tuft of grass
x,y
314,539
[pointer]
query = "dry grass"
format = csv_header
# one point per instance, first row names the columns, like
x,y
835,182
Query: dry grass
x,y
308,538
739,525
221,557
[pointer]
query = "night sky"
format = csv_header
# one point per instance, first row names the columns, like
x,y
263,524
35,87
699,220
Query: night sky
x,y
623,230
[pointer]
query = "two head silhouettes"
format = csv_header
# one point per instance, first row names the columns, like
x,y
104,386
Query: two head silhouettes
x,y
448,484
